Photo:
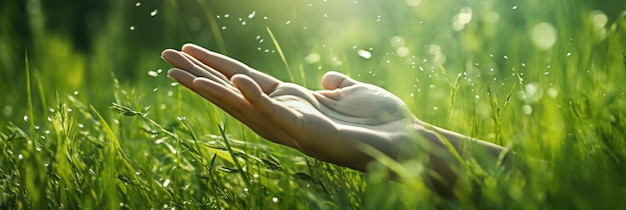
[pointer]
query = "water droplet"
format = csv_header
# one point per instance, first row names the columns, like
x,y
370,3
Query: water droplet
x,y
153,13
288,22
569,54
312,58
20,156
544,35
174,84
365,54
166,183
251,15
274,199
76,92
132,28
153,73
477,96
138,4
80,125
514,7
413,3
527,109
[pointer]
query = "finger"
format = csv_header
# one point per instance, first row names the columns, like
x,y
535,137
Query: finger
x,y
182,61
230,67
232,103
284,117
333,80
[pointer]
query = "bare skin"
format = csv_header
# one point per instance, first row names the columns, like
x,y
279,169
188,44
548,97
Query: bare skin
x,y
331,125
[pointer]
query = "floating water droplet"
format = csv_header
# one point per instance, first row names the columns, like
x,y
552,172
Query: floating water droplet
x,y
312,58
153,13
544,35
365,54
527,109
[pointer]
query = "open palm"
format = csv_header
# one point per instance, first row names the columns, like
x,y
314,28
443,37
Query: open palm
x,y
330,125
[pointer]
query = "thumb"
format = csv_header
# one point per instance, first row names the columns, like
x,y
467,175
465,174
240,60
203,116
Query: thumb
x,y
333,80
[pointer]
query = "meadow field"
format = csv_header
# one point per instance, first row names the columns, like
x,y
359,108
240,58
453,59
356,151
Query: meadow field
x,y
89,119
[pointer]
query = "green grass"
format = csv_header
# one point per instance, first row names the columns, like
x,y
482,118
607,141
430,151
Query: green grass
x,y
92,129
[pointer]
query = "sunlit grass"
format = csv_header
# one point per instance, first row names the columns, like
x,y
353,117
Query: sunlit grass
x,y
107,129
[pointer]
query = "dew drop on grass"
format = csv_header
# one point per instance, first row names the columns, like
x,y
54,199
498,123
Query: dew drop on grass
x,y
153,13
138,4
132,28
26,118
80,125
20,156
477,96
514,7
153,73
166,182
569,54
275,199
251,15
76,92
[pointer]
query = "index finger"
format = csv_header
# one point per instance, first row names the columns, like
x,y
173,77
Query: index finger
x,y
230,67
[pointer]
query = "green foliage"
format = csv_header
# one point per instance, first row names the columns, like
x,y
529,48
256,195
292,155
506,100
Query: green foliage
x,y
89,127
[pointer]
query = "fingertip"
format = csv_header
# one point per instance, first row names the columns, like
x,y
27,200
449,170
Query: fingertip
x,y
246,85
333,80
167,53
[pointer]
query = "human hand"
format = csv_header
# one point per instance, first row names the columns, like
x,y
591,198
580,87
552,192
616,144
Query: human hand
x,y
330,125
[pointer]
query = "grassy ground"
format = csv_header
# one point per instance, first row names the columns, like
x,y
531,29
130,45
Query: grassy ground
x,y
105,128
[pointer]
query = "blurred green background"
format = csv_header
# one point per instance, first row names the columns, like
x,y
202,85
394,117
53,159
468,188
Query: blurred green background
x,y
544,78
77,45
